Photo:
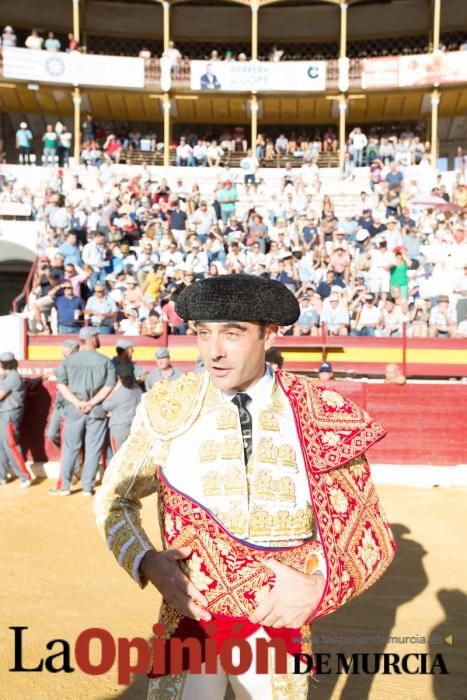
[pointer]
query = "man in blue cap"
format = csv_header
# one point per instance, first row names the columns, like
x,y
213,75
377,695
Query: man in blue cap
x,y
12,394
325,372
85,379
164,369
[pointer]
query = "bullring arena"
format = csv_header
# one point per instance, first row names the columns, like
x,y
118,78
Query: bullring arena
x,y
145,146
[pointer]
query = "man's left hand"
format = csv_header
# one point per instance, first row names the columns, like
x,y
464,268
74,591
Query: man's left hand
x,y
292,600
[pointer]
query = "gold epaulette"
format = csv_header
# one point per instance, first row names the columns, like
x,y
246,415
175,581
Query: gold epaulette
x,y
172,406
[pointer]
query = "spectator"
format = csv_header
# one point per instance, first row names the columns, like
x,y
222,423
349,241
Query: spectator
x,y
70,309
214,154
382,261
197,259
175,58
24,140
324,288
34,41
325,372
52,43
130,324
64,147
391,319
184,154
250,165
95,255
360,142
275,54
335,315
200,154
164,370
227,198
73,43
393,374
399,277
8,37
70,250
281,144
89,128
308,321
50,141
101,310
442,321
112,147
368,318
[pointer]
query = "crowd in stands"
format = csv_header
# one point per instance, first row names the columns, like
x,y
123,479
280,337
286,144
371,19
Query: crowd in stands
x,y
181,54
117,254
37,42
375,148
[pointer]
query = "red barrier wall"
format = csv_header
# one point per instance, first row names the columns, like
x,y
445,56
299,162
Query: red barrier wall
x,y
425,423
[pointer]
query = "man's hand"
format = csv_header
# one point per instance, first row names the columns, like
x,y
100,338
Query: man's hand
x,y
163,570
292,600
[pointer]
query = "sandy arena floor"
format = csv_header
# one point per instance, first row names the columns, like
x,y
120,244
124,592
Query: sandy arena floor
x,y
58,579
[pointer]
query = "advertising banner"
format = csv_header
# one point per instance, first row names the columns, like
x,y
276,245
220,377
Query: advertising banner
x,y
413,71
258,76
72,68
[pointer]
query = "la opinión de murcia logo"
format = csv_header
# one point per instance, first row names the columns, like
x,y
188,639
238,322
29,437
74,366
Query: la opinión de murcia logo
x,y
161,656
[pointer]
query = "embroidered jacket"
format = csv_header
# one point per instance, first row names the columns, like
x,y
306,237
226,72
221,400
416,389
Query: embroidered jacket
x,y
334,433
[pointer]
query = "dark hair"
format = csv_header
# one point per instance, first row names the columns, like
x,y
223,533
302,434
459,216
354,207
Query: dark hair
x,y
275,356
11,364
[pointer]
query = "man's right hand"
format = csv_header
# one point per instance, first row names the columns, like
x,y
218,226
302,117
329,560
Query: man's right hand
x,y
162,569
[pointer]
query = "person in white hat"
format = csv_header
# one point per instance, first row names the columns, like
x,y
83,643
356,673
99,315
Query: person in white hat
x,y
24,139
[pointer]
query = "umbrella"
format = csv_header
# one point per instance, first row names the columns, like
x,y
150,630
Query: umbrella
x,y
434,202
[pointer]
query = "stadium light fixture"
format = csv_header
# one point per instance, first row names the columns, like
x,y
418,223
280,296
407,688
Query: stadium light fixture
x,y
8,86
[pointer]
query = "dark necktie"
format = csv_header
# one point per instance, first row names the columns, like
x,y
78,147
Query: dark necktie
x,y
241,400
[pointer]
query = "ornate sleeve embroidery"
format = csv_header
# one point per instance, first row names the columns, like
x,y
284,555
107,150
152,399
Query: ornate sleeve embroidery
x,y
129,477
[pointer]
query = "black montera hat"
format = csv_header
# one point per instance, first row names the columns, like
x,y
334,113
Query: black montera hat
x,y
238,298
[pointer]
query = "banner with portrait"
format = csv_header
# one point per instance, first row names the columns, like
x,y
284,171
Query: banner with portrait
x,y
258,76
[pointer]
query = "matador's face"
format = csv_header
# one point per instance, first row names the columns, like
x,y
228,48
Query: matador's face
x,y
233,352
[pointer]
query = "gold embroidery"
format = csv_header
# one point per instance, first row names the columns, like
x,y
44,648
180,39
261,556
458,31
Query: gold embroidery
x,y
268,421
232,448
233,520
266,452
227,419
212,484
287,456
290,685
170,687
264,486
261,522
285,488
208,451
234,484
172,405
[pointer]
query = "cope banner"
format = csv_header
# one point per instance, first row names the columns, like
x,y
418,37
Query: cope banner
x,y
258,76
